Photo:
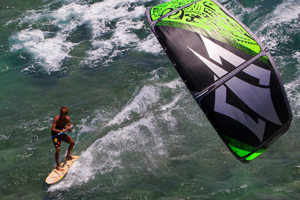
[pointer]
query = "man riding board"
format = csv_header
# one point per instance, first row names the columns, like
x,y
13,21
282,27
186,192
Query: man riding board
x,y
58,126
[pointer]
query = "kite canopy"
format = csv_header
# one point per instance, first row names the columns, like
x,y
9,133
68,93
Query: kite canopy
x,y
229,72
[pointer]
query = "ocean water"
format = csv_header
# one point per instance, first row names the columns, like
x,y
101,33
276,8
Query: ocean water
x,y
140,134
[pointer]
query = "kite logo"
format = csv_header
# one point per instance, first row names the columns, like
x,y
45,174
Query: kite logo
x,y
261,102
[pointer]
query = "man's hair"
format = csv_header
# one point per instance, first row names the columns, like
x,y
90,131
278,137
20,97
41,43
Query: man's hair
x,y
64,110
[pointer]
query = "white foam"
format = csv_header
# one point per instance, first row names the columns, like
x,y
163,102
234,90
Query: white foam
x,y
293,94
284,14
122,36
147,96
175,84
49,52
293,91
4,137
150,45
297,56
237,9
116,19
167,109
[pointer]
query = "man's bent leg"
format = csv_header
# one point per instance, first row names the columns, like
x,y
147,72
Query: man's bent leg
x,y
57,159
72,143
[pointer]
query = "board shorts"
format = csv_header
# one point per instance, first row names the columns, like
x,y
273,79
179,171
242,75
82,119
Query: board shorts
x,y
63,137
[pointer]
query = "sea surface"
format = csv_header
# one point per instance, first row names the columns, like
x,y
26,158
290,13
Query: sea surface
x,y
140,134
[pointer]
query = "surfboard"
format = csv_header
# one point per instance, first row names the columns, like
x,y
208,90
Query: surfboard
x,y
56,175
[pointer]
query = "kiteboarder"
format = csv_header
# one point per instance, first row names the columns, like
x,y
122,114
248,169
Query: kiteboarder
x,y
58,134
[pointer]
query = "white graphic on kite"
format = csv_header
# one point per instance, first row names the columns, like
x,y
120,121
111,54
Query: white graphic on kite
x,y
257,98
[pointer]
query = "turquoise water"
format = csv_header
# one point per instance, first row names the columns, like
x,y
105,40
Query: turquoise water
x,y
140,134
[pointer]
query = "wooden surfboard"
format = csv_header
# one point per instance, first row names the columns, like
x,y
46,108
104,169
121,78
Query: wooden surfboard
x,y
56,175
